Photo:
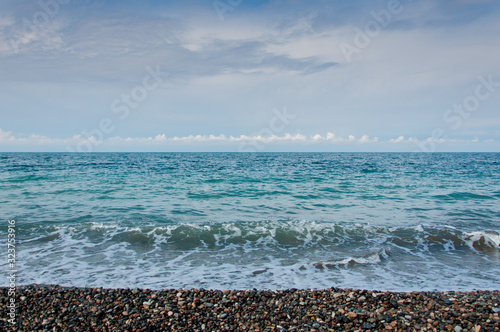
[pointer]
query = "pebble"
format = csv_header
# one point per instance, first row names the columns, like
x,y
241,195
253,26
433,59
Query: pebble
x,y
56,308
352,315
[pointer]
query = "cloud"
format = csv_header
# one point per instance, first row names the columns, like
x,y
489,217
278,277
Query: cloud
x,y
206,142
6,136
185,49
226,76
366,139
401,139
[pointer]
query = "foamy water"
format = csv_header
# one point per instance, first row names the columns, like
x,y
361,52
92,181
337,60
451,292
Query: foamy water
x,y
268,221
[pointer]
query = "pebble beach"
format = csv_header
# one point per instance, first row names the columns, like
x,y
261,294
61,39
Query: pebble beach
x,y
56,308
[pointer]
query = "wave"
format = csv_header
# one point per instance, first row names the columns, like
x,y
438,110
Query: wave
x,y
483,241
458,196
370,259
267,254
284,235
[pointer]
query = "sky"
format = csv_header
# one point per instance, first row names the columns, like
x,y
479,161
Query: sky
x,y
250,76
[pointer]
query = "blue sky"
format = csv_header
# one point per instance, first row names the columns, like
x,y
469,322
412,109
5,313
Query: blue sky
x,y
229,75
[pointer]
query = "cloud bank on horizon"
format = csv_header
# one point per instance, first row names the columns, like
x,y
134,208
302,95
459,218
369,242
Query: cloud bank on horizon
x,y
240,75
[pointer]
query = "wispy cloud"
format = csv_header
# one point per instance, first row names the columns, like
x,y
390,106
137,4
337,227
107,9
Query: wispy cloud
x,y
226,76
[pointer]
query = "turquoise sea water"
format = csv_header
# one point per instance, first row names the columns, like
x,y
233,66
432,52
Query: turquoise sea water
x,y
383,221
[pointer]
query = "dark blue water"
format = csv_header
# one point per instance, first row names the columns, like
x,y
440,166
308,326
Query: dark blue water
x,y
384,221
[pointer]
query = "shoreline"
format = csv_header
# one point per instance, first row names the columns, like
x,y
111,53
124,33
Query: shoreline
x,y
57,308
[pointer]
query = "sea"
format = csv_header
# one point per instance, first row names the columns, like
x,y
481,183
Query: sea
x,y
379,221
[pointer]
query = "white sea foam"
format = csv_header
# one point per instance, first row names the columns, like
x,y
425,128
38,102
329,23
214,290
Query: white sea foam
x,y
483,239
95,225
268,254
419,228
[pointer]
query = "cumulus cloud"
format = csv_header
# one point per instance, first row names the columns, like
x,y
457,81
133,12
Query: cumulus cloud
x,y
401,139
222,77
81,143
